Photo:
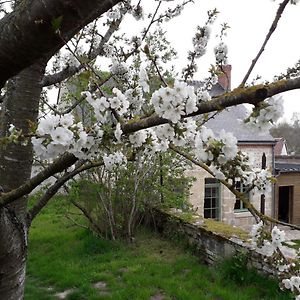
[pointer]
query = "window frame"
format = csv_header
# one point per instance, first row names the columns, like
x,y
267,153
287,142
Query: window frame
x,y
214,184
241,189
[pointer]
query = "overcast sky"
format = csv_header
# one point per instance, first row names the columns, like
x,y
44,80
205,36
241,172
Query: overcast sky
x,y
249,21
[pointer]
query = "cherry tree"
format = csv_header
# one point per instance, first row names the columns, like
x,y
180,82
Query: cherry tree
x,y
140,105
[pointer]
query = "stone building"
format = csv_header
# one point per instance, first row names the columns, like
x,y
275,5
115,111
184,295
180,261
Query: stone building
x,y
211,198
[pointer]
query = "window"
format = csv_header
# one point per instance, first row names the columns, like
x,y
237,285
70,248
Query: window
x,y
239,205
212,199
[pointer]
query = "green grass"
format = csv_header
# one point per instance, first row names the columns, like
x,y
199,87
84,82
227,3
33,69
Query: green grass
x,y
63,256
297,242
296,245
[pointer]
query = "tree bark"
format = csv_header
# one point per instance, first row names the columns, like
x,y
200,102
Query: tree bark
x,y
20,106
37,29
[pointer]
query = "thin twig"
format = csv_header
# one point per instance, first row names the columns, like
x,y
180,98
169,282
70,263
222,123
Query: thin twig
x,y
52,190
271,30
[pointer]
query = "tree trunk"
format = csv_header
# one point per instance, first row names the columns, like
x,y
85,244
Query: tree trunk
x,y
21,104
37,29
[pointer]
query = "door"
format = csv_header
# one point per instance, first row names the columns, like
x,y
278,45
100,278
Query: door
x,y
285,203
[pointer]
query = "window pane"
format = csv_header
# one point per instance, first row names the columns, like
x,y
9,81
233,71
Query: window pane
x,y
241,188
208,192
214,214
213,192
237,204
206,213
211,181
213,202
207,203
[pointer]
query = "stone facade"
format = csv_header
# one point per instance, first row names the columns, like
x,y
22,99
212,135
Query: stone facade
x,y
227,213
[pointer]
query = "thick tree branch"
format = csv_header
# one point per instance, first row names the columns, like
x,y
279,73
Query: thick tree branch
x,y
72,70
42,202
251,95
89,217
57,166
30,31
271,30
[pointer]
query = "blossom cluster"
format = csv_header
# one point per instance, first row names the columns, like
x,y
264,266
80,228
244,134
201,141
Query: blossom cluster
x,y
262,117
292,284
271,245
268,247
173,103
113,160
264,243
58,134
102,105
200,40
221,52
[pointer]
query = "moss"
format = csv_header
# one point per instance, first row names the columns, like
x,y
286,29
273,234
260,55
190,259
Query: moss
x,y
224,229
218,227
186,216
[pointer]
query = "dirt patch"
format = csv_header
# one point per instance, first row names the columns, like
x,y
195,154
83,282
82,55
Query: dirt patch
x,y
101,286
123,270
64,294
157,297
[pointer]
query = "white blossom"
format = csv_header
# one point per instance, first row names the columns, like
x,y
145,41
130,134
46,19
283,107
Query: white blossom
x,y
267,116
114,160
173,103
143,80
47,124
66,120
118,132
114,14
62,136
138,138
221,51
118,68
278,236
288,284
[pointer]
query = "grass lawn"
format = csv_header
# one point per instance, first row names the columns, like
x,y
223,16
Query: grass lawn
x,y
297,244
64,257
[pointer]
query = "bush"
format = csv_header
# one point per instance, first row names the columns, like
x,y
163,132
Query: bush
x,y
115,202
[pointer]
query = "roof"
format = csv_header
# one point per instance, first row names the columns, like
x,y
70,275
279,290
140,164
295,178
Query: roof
x,y
230,120
287,163
287,167
216,89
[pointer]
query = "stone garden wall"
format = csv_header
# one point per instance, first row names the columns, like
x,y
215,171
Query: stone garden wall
x,y
210,246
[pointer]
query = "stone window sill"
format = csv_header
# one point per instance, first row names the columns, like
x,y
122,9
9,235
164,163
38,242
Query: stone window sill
x,y
242,214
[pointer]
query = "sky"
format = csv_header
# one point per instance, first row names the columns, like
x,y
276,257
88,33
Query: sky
x,y
249,23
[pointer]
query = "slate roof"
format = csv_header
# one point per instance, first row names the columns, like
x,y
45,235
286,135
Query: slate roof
x,y
230,120
287,167
216,89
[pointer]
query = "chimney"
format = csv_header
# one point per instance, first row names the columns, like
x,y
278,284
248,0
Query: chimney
x,y
224,78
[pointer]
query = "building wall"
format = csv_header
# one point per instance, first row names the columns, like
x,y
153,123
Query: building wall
x,y
242,219
289,179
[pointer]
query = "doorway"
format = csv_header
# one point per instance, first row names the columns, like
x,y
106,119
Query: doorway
x,y
285,203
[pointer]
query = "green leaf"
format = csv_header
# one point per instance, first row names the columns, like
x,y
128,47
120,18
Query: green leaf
x,y
56,23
